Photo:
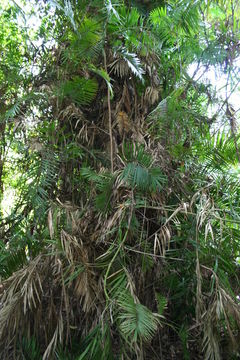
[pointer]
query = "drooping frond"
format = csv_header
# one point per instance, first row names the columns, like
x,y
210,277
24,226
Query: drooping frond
x,y
126,63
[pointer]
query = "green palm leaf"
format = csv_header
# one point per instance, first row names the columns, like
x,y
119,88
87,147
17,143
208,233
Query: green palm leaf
x,y
81,91
136,320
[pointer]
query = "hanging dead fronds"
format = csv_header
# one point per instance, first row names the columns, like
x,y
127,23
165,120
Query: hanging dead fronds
x,y
124,123
151,95
162,240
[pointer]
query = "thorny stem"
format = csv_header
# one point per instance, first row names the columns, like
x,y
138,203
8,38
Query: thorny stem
x,y
110,264
109,115
116,254
199,281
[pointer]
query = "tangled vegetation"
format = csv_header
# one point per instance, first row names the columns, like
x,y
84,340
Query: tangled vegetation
x,y
119,179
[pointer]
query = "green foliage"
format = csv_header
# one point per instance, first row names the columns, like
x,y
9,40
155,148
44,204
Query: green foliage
x,y
42,176
133,62
183,334
104,185
86,43
103,74
30,349
139,172
145,179
218,150
161,302
101,262
97,345
176,21
137,322
81,91
11,259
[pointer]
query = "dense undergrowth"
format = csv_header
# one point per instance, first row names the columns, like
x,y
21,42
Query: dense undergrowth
x,y
121,240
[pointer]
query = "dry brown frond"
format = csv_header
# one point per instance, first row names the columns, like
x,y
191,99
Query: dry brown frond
x,y
69,244
162,240
50,223
72,111
119,67
47,297
222,313
23,294
124,123
87,289
151,95
56,339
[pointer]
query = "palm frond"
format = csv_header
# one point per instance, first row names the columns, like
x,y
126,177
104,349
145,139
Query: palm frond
x,y
175,20
96,345
126,63
161,302
137,322
11,259
30,349
219,150
80,90
151,180
104,182
85,44
103,74
139,171
134,63
67,10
